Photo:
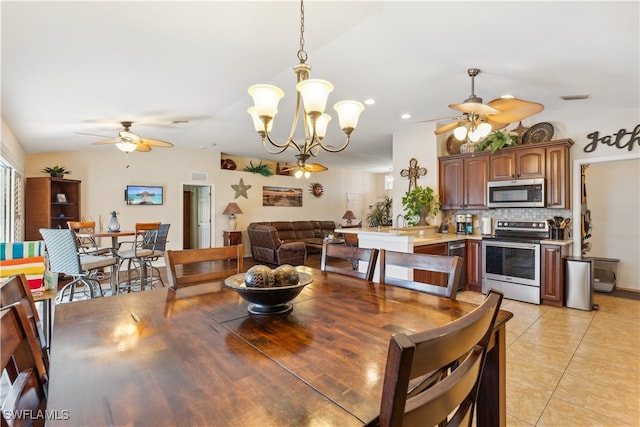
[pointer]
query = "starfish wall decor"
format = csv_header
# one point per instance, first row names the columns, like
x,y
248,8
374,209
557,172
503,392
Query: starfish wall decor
x,y
241,189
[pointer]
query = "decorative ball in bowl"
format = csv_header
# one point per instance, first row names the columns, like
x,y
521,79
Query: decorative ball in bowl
x,y
269,291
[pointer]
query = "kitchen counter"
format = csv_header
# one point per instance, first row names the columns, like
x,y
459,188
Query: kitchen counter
x,y
408,235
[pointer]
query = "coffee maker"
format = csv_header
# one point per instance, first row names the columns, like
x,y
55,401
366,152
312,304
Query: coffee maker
x,y
461,224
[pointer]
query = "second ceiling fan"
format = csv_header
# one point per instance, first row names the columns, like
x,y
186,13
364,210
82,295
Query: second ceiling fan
x,y
128,141
479,119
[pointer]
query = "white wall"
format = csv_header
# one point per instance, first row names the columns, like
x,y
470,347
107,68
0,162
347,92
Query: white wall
x,y
104,176
614,216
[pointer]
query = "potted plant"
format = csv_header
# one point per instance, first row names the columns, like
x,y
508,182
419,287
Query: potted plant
x,y
260,168
420,203
56,171
498,140
381,213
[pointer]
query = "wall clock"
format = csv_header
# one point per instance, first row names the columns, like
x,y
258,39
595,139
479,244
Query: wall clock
x,y
316,189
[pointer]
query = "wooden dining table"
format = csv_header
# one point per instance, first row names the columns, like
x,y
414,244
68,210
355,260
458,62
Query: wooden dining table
x,y
195,356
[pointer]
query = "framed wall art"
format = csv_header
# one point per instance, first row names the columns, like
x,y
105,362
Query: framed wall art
x,y
281,196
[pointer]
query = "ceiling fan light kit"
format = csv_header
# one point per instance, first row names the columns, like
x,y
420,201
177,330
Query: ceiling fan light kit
x,y
312,96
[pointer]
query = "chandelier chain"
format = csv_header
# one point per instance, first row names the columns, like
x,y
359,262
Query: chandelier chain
x,y
302,54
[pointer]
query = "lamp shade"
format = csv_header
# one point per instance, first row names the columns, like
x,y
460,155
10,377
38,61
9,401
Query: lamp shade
x,y
349,215
232,209
314,94
127,147
266,99
348,113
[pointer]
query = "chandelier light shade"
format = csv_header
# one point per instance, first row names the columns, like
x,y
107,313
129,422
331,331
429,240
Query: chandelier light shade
x,y
312,97
232,209
349,216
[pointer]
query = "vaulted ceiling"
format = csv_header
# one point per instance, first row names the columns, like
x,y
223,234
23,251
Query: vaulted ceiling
x,y
82,67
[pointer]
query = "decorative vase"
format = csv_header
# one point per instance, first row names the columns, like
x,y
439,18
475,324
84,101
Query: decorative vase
x,y
114,225
423,217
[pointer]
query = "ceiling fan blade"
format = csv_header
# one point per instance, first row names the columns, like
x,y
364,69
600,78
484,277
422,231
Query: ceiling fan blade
x,y
441,118
447,128
107,141
315,167
92,134
474,107
514,109
143,148
156,143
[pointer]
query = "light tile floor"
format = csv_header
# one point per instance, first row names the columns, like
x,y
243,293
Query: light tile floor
x,y
568,367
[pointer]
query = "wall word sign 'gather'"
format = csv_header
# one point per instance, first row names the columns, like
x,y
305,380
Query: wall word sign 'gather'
x,y
616,140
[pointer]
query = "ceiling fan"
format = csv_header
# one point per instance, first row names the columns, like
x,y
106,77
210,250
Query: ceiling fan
x,y
128,141
302,168
478,119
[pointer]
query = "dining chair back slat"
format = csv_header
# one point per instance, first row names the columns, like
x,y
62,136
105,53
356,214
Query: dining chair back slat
x,y
27,394
451,265
459,348
16,290
194,266
334,256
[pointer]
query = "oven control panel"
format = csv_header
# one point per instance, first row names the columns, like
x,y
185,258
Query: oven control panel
x,y
522,225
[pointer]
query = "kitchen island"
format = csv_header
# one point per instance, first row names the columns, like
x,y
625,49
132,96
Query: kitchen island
x,y
409,239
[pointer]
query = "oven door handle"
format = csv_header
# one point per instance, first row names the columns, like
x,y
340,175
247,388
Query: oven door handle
x,y
504,244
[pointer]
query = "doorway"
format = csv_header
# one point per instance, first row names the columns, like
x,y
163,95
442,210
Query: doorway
x,y
196,216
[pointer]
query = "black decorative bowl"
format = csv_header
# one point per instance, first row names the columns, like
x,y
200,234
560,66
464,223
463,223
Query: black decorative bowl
x,y
274,300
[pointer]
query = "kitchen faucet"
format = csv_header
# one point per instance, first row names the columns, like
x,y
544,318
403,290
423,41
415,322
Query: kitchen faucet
x,y
404,222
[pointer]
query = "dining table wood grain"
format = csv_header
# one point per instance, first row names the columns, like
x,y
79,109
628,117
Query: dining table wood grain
x,y
197,357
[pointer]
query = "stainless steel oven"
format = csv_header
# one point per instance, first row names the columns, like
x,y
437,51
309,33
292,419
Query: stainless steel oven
x,y
511,259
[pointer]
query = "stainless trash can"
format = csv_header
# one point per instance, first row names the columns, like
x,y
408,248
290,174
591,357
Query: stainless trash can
x,y
579,283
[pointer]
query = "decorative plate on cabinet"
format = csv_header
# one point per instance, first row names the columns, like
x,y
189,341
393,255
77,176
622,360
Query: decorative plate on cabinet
x,y
453,145
540,132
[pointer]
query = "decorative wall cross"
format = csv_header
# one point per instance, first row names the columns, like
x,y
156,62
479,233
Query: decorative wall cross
x,y
414,172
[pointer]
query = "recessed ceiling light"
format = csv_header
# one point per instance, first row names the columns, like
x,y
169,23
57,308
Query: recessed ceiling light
x,y
405,116
369,101
507,96
575,97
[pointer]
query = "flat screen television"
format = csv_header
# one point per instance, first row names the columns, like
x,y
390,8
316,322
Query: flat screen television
x,y
144,195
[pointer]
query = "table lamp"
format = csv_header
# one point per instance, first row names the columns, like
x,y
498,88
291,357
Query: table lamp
x,y
232,209
349,215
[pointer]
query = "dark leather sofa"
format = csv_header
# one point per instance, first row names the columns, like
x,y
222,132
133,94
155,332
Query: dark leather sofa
x,y
281,242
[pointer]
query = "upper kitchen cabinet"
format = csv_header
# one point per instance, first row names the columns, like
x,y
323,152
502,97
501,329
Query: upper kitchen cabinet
x,y
517,164
463,181
464,177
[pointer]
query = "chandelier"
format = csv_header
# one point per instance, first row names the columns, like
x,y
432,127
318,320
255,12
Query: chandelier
x,y
312,97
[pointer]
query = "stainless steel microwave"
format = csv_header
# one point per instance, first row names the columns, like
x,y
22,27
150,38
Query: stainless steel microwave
x,y
518,193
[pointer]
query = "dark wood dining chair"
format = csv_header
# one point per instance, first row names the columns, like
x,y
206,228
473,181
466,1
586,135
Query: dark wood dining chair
x,y
420,389
334,257
194,266
451,265
26,396
16,290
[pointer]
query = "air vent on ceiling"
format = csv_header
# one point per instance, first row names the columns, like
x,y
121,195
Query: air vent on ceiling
x,y
575,97
199,176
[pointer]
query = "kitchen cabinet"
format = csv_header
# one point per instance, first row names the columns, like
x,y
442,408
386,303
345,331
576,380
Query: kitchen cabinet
x,y
463,181
522,163
558,193
430,277
552,274
50,203
474,265
463,178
